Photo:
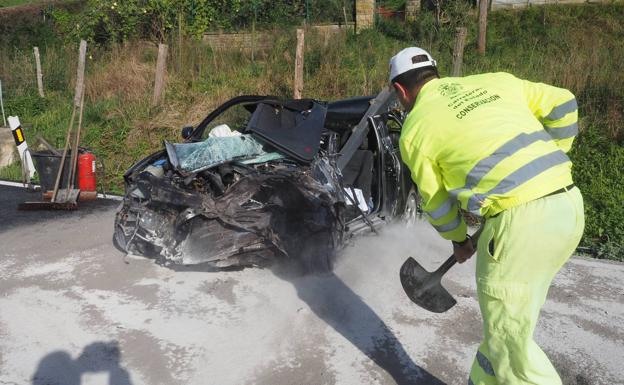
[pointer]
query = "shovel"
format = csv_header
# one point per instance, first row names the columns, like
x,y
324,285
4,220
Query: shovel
x,y
65,199
424,288
70,194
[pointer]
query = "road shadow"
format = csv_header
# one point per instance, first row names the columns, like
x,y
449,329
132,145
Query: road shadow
x,y
58,368
11,197
342,309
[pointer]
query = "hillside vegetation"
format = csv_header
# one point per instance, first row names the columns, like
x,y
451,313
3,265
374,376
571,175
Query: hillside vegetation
x,y
12,3
577,47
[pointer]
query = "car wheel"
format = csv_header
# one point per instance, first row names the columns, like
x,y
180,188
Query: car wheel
x,y
413,211
119,239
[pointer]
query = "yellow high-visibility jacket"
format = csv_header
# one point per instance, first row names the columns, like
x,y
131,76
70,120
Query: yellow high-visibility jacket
x,y
487,142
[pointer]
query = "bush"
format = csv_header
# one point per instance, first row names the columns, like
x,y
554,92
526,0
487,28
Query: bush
x,y
106,21
599,173
26,104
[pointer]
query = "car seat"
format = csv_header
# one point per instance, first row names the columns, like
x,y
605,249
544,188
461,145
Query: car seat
x,y
358,173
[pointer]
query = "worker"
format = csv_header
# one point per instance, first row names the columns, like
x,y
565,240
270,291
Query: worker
x,y
495,145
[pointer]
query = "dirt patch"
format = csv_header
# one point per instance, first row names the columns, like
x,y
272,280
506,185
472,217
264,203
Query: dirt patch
x,y
136,346
579,370
390,363
404,318
294,371
609,333
222,289
590,284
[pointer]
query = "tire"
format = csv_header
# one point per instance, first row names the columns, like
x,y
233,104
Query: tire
x,y
119,240
413,211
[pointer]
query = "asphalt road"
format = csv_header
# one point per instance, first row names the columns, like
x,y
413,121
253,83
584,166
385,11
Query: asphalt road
x,y
75,310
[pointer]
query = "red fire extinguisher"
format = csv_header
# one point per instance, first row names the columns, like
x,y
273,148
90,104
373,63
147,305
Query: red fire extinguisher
x,y
86,174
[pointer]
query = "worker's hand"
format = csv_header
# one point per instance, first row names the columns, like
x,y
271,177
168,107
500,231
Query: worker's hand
x,y
463,251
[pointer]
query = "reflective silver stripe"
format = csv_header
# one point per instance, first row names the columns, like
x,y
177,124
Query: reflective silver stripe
x,y
441,211
485,364
512,146
520,176
529,171
562,110
449,226
475,202
563,132
485,165
455,192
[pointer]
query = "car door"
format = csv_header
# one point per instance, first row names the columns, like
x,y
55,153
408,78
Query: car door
x,y
398,184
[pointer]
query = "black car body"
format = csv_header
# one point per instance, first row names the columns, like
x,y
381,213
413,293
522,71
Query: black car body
x,y
336,172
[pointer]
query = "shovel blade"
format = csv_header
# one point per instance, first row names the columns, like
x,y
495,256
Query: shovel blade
x,y
67,196
424,288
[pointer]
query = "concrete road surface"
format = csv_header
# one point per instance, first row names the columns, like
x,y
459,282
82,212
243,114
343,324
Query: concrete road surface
x,y
75,310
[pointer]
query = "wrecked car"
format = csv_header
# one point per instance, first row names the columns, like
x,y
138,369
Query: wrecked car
x,y
261,179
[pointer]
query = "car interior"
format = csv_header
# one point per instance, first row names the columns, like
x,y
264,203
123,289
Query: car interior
x,y
362,170
278,123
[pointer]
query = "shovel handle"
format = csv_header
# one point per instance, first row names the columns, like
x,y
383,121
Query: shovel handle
x,y
451,261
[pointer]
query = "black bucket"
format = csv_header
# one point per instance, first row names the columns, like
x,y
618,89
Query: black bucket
x,y
47,165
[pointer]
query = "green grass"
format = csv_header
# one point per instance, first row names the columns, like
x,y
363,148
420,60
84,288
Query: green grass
x,y
12,3
576,47
599,173
12,172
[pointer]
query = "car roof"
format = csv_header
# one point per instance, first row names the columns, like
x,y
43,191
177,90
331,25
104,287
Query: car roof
x,y
348,110
343,112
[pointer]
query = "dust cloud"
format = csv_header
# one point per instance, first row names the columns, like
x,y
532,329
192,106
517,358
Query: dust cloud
x,y
361,270
395,241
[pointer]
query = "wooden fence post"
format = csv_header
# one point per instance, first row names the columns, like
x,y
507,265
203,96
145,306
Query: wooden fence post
x,y
298,86
458,51
161,69
39,74
483,11
438,11
180,42
82,57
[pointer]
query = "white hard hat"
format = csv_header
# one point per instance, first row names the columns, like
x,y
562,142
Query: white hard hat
x,y
408,59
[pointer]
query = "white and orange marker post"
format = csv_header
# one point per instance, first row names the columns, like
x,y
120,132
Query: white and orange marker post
x,y
22,147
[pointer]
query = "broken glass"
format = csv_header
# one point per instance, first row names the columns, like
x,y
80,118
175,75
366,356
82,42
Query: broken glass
x,y
195,157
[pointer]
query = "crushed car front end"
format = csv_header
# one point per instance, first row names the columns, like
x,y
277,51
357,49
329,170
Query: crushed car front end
x,y
192,205
264,213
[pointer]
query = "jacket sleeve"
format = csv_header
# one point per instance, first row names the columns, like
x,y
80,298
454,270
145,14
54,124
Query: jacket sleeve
x,y
556,109
442,211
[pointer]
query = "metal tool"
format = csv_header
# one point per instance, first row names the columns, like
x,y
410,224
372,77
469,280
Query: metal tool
x,y
69,195
66,199
65,193
425,288
74,151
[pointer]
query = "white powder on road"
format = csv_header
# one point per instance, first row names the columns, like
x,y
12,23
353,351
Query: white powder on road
x,y
269,327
